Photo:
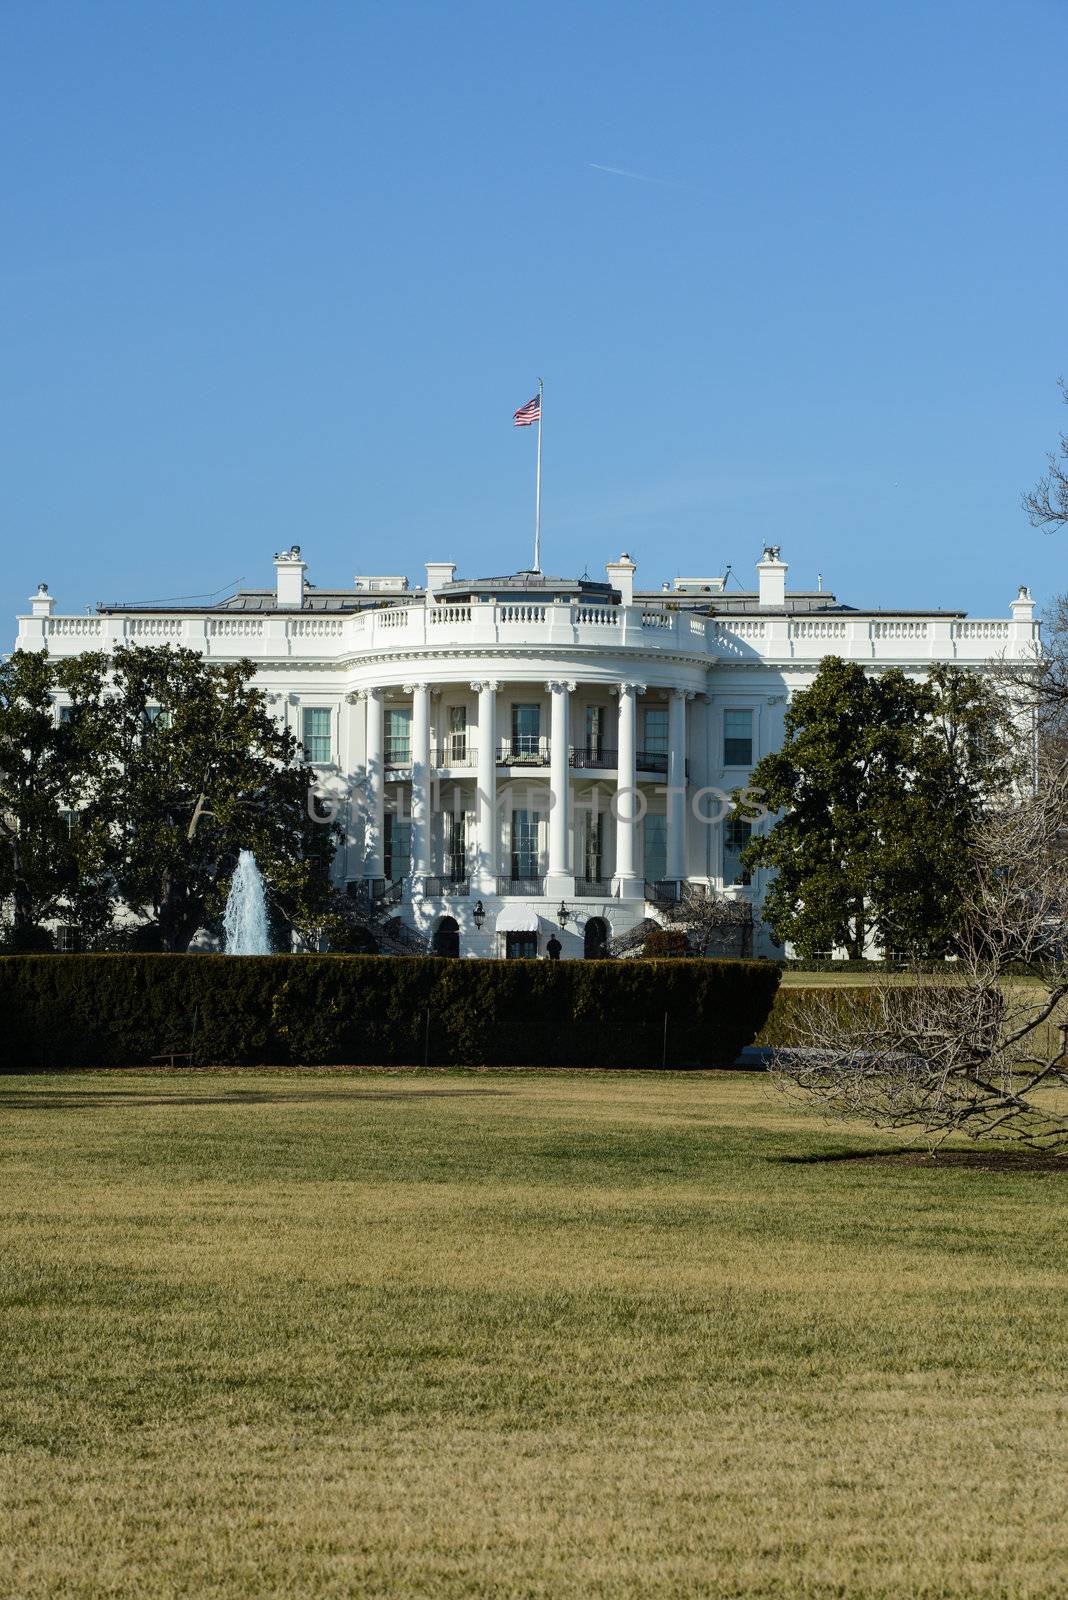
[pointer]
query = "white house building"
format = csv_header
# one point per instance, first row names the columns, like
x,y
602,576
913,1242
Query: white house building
x,y
518,753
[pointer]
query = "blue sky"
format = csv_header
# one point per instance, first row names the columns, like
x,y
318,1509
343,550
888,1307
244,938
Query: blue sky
x,y
280,273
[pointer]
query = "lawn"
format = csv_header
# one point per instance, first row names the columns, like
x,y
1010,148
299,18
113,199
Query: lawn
x,y
299,1334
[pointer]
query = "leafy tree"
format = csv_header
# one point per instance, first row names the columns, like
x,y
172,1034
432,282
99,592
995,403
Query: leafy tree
x,y
187,766
880,782
37,868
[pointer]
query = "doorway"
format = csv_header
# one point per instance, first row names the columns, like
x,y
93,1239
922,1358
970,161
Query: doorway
x,y
447,938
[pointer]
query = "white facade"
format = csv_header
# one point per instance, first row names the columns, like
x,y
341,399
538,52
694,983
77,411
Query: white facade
x,y
524,743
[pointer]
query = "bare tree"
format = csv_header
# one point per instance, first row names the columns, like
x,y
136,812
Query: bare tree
x,y
715,924
977,1049
1047,503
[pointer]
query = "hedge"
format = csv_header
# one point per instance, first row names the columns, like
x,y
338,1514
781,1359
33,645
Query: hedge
x,y
108,1010
784,1025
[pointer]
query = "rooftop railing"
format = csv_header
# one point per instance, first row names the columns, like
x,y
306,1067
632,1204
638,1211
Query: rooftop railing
x,y
411,626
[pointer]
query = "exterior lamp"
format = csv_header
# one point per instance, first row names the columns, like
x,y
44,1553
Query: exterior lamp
x,y
562,915
479,914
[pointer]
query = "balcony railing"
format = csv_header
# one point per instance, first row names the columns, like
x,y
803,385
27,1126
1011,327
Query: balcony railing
x,y
663,892
516,885
652,761
523,750
397,755
597,888
455,753
597,756
376,892
445,886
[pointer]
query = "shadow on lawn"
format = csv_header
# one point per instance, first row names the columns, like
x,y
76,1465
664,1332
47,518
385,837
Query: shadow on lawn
x,y
940,1160
93,1099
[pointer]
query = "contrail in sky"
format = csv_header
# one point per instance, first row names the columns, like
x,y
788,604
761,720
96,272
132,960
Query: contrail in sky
x,y
640,177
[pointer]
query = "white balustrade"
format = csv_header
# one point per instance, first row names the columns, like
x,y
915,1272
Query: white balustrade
x,y
511,613
236,627
816,628
154,628
315,627
899,628
412,625
981,630
447,616
74,627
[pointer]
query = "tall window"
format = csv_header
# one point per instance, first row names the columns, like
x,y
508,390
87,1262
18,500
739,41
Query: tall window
x,y
737,738
398,736
456,738
595,731
455,845
316,733
397,852
655,847
525,856
594,854
736,835
655,736
526,729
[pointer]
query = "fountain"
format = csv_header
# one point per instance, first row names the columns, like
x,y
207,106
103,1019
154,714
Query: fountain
x,y
245,919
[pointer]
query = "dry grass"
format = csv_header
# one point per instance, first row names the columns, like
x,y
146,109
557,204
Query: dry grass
x,y
490,1335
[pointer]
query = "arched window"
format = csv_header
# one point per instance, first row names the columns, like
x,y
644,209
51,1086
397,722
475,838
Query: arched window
x,y
447,937
595,939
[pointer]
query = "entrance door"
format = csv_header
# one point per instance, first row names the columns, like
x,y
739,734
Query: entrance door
x,y
447,937
595,940
521,946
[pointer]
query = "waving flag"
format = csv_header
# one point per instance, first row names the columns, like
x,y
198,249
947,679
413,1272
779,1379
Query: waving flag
x,y
528,414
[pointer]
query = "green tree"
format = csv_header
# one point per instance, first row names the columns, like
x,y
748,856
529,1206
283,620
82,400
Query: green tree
x,y
37,868
880,782
187,767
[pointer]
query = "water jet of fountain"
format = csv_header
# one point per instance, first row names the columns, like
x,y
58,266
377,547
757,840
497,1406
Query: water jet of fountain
x,y
245,923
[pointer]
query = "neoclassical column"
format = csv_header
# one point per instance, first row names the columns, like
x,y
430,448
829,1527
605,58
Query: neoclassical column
x,y
486,792
676,784
420,693
628,883
375,770
559,879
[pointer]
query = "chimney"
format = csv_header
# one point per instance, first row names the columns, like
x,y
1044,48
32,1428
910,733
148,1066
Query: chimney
x,y
438,573
1023,607
42,602
289,578
771,572
621,577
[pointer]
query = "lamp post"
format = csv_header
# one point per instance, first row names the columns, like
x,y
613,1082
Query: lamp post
x,y
562,915
478,915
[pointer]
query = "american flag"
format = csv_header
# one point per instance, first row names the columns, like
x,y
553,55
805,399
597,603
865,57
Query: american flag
x,y
528,414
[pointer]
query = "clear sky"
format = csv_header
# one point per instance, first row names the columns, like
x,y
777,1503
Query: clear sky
x,y
281,272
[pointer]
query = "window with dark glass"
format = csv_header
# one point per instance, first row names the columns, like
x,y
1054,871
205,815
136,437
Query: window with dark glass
x,y
397,843
526,729
655,848
655,736
525,855
736,835
737,738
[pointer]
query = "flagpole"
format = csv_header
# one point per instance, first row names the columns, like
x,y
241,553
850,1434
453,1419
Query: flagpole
x,y
537,490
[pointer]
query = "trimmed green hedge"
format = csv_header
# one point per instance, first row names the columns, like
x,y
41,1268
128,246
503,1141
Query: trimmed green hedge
x,y
782,1028
129,1010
